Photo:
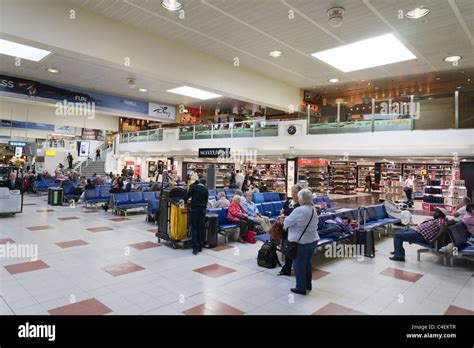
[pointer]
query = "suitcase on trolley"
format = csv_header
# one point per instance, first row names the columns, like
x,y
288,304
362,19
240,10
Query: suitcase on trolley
x,y
178,229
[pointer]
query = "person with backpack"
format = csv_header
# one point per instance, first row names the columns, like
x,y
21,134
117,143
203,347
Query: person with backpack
x,y
302,226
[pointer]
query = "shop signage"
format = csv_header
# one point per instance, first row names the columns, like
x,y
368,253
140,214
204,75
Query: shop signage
x,y
50,153
320,162
92,134
290,175
66,130
214,153
162,112
17,143
53,93
26,125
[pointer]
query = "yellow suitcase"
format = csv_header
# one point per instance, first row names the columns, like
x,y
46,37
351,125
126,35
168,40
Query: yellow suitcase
x,y
178,222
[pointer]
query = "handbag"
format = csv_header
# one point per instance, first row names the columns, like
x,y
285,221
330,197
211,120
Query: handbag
x,y
276,231
290,249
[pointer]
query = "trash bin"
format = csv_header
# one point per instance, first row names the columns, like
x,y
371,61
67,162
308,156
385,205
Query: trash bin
x,y
211,230
55,196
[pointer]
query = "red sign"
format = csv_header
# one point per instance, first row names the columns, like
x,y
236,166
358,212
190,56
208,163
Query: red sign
x,y
321,162
137,170
194,111
129,163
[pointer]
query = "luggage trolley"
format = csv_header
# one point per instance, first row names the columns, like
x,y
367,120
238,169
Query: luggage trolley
x,y
173,219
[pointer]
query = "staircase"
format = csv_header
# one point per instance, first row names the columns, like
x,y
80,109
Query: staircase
x,y
88,168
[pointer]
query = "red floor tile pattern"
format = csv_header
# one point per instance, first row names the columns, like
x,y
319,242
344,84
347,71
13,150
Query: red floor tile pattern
x,y
319,273
144,245
402,275
44,210
86,307
215,270
454,310
71,243
67,218
99,229
119,219
122,268
222,247
89,211
26,267
153,230
213,307
27,204
335,309
40,228
6,240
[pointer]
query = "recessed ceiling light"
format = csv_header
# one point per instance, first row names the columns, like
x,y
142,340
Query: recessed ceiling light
x,y
53,70
14,49
417,13
171,5
275,54
458,87
438,78
452,59
333,80
364,54
468,80
194,93
143,90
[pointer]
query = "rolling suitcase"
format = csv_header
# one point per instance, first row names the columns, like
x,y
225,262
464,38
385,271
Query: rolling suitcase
x,y
178,222
365,242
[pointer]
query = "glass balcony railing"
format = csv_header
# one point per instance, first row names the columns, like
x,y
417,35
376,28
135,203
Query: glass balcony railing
x,y
441,111
142,136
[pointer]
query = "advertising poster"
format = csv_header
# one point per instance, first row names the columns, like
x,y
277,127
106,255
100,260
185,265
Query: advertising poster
x,y
92,134
84,148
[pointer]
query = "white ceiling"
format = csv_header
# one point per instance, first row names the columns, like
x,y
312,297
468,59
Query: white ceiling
x,y
249,29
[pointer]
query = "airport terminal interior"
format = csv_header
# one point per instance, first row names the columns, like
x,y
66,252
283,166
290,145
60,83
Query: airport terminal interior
x,y
236,157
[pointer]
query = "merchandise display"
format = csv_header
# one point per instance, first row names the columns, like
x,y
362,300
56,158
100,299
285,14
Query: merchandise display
x,y
362,172
271,175
314,173
419,177
342,177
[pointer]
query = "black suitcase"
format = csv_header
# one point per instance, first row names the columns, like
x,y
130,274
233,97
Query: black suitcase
x,y
365,242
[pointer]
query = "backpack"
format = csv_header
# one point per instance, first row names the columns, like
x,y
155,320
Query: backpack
x,y
267,256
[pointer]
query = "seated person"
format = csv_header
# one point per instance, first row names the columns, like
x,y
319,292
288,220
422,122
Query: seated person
x,y
460,209
119,189
222,201
89,185
13,183
239,192
468,220
394,211
238,216
423,233
252,211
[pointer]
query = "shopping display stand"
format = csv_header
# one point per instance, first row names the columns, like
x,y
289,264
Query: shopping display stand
x,y
173,218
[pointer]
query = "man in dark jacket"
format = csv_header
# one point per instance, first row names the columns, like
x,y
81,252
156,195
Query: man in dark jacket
x,y
70,159
199,195
13,183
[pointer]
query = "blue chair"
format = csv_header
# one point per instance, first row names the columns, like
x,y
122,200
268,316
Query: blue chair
x,y
212,192
229,191
275,196
223,224
268,210
258,198
152,209
267,196
135,197
277,207
105,193
120,199
149,196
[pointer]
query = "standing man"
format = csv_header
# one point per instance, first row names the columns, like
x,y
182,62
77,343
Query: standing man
x,y
69,159
97,155
368,183
199,195
239,179
408,187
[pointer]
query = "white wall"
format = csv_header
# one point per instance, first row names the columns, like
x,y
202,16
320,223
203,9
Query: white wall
x,y
395,143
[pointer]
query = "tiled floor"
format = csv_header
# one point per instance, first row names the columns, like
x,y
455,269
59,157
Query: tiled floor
x,y
88,264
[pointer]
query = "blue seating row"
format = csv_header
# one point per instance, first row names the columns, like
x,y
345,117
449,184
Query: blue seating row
x,y
130,200
376,216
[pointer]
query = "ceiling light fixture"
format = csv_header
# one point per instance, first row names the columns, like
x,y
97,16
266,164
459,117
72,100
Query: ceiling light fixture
x,y
333,80
364,54
53,70
143,90
171,5
194,93
275,54
417,13
131,83
458,87
451,59
14,49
